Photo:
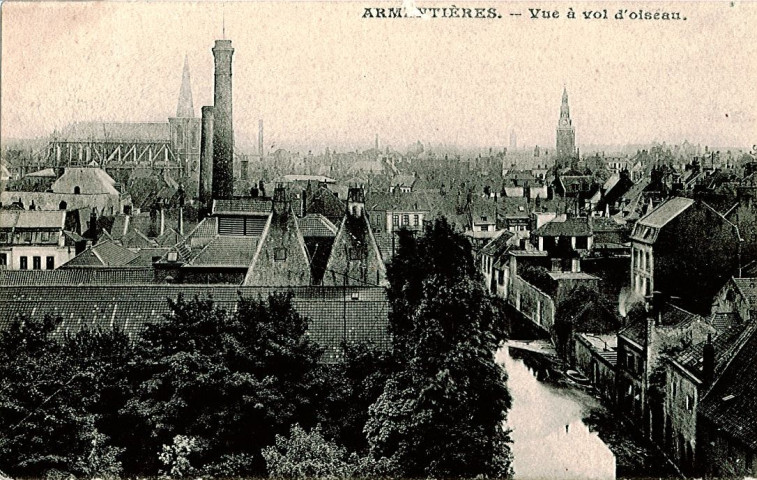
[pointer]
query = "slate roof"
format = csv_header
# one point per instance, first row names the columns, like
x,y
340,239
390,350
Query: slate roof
x,y
316,225
91,181
242,205
731,403
110,131
334,313
77,276
571,227
665,212
32,219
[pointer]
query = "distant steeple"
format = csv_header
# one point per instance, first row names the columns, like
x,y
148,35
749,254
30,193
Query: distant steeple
x,y
185,108
564,109
566,134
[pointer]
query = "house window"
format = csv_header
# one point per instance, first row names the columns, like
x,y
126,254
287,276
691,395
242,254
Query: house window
x,y
689,402
3,259
4,237
77,190
483,218
45,237
280,254
416,220
23,263
50,263
396,220
37,263
406,219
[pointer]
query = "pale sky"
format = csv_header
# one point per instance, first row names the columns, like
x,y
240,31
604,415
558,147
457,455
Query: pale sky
x,y
320,75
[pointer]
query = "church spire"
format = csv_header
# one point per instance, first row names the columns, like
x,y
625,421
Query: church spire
x,y
564,109
185,108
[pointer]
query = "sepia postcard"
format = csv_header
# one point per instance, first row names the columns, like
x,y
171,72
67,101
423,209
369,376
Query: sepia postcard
x,y
378,239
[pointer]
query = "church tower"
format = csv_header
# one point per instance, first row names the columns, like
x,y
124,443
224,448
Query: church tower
x,y
566,134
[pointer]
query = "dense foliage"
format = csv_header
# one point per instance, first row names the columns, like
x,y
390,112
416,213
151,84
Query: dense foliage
x,y
443,407
212,393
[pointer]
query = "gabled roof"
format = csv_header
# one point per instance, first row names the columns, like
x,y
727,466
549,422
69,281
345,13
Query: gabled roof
x,y
570,227
281,257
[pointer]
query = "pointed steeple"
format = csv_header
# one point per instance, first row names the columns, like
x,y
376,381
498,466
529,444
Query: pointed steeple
x,y
564,110
185,108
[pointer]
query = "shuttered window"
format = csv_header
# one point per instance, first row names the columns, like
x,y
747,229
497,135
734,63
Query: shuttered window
x,y
241,226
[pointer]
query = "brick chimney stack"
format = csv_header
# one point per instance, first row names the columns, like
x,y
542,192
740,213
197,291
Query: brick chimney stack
x,y
223,127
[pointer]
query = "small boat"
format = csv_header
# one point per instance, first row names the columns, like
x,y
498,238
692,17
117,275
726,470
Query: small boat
x,y
577,377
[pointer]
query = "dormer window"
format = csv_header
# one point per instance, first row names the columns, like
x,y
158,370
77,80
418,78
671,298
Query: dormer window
x,y
173,256
280,254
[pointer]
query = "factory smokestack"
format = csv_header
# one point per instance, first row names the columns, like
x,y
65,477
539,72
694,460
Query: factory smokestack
x,y
206,156
260,138
223,127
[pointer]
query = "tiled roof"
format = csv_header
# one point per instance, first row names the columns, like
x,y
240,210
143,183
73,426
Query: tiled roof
x,y
667,211
106,254
403,180
223,251
316,225
748,288
335,313
77,276
109,132
671,316
242,205
571,227
397,202
691,358
731,403
497,246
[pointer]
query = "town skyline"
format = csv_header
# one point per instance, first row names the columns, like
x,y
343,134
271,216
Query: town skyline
x,y
403,81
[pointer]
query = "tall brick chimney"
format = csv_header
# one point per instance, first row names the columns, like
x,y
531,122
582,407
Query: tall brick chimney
x,y
205,189
223,128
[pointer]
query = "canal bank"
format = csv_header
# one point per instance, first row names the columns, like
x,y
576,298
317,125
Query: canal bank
x,y
561,430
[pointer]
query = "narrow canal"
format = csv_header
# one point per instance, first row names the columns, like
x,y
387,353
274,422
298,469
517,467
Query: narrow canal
x,y
550,439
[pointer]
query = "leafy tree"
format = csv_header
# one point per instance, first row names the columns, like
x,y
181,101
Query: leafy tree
x,y
310,455
230,381
52,412
442,410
